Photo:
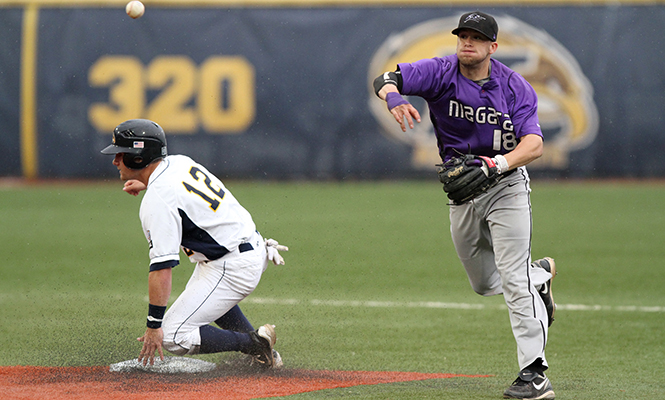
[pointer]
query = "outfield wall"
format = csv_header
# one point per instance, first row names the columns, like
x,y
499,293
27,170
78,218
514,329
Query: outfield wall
x,y
282,89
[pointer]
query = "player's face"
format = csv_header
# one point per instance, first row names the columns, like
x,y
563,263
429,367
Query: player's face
x,y
125,172
473,48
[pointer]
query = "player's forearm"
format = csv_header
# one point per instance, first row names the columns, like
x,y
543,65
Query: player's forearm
x,y
387,89
159,287
134,187
528,149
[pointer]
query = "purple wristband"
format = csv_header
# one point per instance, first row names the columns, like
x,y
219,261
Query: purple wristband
x,y
394,99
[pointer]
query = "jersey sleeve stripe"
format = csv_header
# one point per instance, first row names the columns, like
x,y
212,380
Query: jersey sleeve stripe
x,y
156,266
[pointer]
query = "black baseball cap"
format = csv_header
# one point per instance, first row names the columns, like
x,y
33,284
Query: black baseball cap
x,y
479,22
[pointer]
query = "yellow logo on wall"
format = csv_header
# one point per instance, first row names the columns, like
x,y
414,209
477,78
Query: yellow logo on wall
x,y
187,95
566,110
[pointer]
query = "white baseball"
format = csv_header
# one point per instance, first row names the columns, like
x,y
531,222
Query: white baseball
x,y
135,9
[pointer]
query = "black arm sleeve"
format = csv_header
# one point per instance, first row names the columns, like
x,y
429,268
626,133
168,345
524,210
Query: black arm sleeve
x,y
394,78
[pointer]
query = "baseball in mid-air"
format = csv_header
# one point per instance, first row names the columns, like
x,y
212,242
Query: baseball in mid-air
x,y
135,9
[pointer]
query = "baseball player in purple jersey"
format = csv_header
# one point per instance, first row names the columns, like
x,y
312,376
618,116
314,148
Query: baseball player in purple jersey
x,y
186,207
479,106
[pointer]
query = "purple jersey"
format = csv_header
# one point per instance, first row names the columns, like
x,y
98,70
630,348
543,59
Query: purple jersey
x,y
485,120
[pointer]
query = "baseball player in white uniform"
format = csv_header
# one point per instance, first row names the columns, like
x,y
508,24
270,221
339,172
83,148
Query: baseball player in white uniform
x,y
186,207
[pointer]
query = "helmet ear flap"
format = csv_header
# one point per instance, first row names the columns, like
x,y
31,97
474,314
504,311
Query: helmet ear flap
x,y
134,161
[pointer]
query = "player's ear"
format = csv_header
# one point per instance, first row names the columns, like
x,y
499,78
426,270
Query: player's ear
x,y
493,47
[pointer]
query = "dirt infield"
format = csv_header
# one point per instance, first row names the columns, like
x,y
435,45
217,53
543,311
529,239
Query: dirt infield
x,y
96,383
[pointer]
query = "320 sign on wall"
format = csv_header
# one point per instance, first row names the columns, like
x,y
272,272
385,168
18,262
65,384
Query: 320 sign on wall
x,y
216,96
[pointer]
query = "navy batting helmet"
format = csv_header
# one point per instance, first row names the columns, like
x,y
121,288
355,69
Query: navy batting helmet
x,y
142,142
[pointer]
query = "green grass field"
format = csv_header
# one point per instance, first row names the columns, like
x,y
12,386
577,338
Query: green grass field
x,y
364,259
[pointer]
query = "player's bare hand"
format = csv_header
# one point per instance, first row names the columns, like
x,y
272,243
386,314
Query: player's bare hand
x,y
405,111
134,187
152,341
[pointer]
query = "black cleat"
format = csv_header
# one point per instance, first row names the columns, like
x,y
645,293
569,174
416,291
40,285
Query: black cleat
x,y
545,290
530,385
263,340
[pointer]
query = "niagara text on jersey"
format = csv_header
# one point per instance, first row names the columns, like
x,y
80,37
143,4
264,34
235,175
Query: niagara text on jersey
x,y
468,118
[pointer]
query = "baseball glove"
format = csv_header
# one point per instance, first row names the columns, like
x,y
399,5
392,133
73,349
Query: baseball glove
x,y
467,176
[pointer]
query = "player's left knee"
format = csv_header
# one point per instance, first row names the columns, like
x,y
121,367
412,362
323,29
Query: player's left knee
x,y
174,348
179,350
486,290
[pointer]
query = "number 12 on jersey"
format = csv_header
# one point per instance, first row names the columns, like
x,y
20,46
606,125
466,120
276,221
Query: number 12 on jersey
x,y
218,193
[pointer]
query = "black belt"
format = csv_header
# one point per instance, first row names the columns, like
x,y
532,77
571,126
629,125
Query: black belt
x,y
509,172
245,247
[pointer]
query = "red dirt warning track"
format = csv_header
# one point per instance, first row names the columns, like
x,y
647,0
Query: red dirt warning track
x,y
96,383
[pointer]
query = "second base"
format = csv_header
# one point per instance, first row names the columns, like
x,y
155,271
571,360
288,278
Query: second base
x,y
170,365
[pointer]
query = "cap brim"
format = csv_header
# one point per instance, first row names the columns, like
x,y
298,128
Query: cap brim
x,y
113,149
456,31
